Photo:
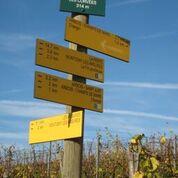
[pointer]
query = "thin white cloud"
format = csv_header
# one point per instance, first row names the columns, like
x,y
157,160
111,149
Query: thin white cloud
x,y
16,42
128,2
13,91
163,86
30,109
127,123
13,135
140,114
157,35
113,122
44,109
30,103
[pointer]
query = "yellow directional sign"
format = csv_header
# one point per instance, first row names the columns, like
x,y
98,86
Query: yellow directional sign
x,y
56,128
97,39
70,61
59,90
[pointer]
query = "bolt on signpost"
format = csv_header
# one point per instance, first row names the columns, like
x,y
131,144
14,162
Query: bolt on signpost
x,y
74,92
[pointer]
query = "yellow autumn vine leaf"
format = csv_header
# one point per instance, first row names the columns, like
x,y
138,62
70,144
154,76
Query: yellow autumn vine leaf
x,y
138,175
155,163
135,140
100,170
163,140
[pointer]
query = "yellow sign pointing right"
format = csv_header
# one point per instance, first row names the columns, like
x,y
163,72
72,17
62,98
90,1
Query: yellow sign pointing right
x,y
56,128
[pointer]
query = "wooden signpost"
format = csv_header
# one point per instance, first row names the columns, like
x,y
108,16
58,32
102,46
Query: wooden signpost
x,y
59,58
73,148
74,92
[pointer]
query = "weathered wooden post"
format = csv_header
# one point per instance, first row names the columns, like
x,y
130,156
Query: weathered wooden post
x,y
72,163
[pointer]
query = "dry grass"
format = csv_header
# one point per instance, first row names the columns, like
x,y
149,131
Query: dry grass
x,y
113,159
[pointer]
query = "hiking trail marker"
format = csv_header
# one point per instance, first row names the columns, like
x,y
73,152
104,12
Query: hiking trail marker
x,y
91,7
72,93
56,128
63,59
97,39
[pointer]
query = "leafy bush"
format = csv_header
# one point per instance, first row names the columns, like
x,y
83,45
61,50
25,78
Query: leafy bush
x,y
151,165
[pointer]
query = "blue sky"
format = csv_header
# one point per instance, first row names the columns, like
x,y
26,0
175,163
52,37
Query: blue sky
x,y
139,97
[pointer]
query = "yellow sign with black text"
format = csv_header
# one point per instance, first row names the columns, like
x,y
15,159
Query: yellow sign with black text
x,y
97,39
56,128
70,61
59,90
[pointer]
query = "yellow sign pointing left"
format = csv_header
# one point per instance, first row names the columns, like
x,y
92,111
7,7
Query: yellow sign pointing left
x,y
56,128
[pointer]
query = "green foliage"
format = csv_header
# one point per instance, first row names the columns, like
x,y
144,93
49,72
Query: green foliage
x,y
149,165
